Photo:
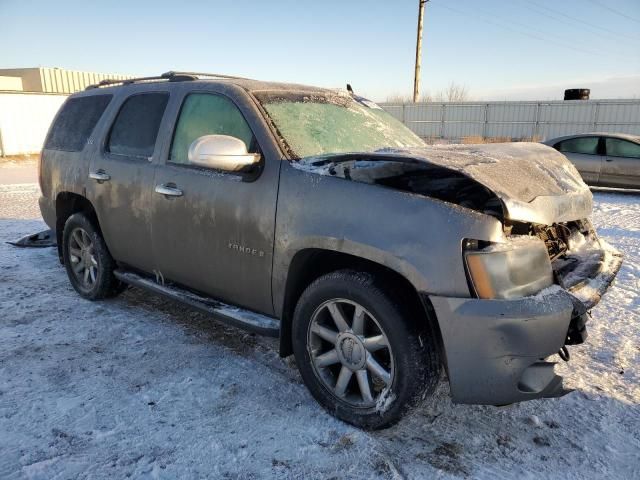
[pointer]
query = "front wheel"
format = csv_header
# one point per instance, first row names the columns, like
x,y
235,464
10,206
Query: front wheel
x,y
359,351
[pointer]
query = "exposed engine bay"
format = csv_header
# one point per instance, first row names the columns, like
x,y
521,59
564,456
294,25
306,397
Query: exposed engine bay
x,y
415,177
557,237
525,182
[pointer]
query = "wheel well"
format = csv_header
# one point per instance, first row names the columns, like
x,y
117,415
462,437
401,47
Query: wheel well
x,y
310,264
67,204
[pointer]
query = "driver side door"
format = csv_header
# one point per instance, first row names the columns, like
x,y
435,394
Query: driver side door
x,y
215,232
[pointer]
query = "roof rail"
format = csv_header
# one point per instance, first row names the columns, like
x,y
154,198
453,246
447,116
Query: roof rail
x,y
199,74
107,82
171,76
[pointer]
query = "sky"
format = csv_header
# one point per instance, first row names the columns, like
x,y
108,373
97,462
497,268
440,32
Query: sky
x,y
498,50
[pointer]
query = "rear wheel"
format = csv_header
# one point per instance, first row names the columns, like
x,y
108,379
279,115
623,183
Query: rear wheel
x,y
87,260
358,351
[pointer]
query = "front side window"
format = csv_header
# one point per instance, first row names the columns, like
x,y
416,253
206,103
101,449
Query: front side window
x,y
208,114
585,145
135,129
75,122
622,148
324,123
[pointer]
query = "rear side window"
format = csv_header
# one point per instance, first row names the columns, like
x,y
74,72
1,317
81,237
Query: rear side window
x,y
135,129
75,122
622,148
208,114
585,145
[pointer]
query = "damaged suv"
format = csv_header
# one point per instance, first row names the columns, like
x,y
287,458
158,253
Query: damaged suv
x,y
315,216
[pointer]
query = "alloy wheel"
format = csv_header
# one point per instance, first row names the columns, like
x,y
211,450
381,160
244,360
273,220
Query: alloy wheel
x,y
84,264
350,353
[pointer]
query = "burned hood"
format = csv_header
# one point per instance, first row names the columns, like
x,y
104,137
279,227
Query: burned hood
x,y
535,183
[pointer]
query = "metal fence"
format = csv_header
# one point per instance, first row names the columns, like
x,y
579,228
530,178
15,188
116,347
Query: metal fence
x,y
535,120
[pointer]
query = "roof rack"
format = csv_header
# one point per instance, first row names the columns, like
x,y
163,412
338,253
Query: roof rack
x,y
171,76
197,75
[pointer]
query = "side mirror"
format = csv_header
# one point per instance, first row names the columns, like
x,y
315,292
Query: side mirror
x,y
221,152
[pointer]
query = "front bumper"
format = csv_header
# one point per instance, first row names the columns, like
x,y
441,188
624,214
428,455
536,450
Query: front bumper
x,y
496,349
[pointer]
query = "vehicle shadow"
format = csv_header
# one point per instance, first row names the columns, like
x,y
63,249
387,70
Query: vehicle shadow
x,y
206,328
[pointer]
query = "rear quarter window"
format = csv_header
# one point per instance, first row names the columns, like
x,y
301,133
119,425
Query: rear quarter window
x,y
75,122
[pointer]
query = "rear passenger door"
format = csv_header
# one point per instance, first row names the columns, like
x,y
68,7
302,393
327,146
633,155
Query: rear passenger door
x,y
121,178
216,233
586,154
622,165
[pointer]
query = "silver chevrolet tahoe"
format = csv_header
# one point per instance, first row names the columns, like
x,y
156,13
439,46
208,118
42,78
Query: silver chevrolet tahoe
x,y
313,215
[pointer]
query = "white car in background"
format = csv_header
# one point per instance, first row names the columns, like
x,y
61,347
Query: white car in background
x,y
603,159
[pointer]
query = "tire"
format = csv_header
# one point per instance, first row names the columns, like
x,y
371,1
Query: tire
x,y
82,246
405,349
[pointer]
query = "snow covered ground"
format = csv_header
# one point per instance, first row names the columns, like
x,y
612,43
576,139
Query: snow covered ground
x,y
138,387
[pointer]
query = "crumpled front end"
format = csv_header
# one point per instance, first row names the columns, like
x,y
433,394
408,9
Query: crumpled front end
x,y
588,266
530,291
496,349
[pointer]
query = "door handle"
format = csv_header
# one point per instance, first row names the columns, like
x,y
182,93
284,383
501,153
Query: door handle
x,y
609,159
168,190
100,176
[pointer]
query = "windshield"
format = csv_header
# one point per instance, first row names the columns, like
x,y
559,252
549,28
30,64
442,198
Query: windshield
x,y
315,124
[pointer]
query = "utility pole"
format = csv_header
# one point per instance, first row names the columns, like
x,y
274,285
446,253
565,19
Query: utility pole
x,y
416,77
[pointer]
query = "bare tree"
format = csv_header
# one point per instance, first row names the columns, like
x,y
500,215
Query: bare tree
x,y
453,93
396,98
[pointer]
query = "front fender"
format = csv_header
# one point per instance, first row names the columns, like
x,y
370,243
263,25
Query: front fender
x,y
418,237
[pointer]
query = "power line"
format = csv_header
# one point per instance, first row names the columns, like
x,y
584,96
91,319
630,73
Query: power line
x,y
521,32
613,10
531,3
561,39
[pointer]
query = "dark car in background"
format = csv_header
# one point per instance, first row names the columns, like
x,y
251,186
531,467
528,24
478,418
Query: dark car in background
x,y
603,159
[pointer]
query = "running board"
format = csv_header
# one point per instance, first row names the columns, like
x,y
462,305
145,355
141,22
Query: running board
x,y
235,316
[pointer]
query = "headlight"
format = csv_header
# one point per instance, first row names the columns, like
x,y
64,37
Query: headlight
x,y
517,268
